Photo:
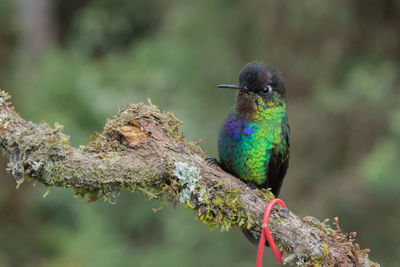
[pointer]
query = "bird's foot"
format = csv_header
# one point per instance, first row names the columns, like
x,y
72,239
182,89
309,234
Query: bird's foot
x,y
212,160
252,185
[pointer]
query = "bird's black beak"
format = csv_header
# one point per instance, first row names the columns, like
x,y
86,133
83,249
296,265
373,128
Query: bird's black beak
x,y
232,86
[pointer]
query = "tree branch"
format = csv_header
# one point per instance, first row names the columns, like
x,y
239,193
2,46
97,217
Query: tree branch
x,y
143,149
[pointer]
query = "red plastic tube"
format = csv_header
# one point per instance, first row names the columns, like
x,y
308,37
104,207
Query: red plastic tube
x,y
266,234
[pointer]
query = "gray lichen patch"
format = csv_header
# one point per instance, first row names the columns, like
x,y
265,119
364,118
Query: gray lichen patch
x,y
214,207
188,178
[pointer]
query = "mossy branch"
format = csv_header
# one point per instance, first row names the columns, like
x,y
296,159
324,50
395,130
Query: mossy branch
x,y
142,149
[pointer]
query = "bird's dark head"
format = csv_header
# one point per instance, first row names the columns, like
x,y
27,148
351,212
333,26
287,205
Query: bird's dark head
x,y
260,88
260,79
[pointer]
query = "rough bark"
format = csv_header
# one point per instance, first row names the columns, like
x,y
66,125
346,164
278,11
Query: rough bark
x,y
143,149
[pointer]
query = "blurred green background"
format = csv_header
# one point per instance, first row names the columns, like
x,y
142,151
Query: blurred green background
x,y
78,61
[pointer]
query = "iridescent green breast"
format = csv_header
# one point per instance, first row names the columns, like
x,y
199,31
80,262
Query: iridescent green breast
x,y
246,145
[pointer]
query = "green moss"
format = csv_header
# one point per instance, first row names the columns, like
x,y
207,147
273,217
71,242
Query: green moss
x,y
223,211
221,208
320,261
266,194
91,194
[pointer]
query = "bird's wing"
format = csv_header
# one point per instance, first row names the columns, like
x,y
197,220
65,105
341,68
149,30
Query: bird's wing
x,y
279,161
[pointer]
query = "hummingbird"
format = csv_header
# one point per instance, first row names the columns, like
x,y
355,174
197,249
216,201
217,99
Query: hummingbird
x,y
253,142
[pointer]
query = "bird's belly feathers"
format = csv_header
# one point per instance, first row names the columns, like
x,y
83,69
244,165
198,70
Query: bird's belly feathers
x,y
245,147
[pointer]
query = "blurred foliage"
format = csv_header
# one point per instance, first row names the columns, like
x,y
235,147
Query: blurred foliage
x,y
340,62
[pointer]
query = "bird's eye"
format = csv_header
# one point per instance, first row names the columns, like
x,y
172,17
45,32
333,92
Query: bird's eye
x,y
267,89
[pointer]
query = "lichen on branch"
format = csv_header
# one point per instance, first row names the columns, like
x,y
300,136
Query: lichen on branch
x,y
142,149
